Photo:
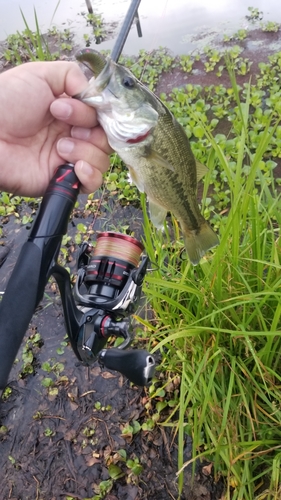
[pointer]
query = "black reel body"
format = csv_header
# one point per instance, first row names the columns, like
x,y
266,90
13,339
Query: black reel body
x,y
107,290
106,293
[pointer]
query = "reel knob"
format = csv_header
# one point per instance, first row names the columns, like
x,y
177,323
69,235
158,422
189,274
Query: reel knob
x,y
137,365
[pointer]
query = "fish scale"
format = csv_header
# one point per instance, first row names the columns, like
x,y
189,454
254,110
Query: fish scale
x,y
154,146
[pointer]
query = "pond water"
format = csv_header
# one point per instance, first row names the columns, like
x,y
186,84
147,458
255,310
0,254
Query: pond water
x,y
176,24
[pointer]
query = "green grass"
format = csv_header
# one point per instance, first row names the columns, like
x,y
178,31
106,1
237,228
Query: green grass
x,y
218,325
34,42
34,46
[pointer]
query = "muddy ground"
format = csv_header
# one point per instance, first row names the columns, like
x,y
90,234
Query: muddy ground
x,y
59,444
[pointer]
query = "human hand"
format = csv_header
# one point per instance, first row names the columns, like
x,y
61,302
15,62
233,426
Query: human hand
x,y
41,128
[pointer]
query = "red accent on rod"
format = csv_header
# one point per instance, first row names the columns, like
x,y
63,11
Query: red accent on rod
x,y
65,191
62,177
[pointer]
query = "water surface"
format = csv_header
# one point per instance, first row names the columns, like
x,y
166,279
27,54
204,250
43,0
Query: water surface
x,y
170,23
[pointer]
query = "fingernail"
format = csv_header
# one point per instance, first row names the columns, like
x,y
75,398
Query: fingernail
x,y
85,168
80,133
65,146
61,109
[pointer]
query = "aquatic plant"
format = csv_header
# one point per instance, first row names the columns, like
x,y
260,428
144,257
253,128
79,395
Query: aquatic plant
x,y
34,46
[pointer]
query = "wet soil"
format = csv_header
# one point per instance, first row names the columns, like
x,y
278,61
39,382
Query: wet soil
x,y
68,464
61,446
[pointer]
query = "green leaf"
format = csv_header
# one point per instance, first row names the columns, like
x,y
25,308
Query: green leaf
x,y
27,357
26,219
135,466
115,471
82,228
53,391
128,430
105,486
136,426
160,405
5,198
58,367
137,469
46,367
47,382
36,338
198,131
78,239
122,453
148,425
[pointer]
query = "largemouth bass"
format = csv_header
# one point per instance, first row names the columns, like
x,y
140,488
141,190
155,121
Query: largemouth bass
x,y
153,145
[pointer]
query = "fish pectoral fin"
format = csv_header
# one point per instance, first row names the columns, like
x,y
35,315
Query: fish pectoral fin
x,y
201,170
136,179
157,214
158,160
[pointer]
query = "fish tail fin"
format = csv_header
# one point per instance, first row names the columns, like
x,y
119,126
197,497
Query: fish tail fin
x,y
197,243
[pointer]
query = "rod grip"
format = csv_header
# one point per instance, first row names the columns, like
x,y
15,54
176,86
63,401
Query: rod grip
x,y
17,306
37,257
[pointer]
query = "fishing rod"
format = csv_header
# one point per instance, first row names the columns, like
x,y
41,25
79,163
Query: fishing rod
x,y
107,289
132,13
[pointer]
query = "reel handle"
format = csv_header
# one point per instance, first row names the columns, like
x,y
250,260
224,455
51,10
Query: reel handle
x,y
137,365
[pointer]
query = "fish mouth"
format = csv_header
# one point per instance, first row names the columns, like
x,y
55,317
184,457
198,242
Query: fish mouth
x,y
92,95
140,138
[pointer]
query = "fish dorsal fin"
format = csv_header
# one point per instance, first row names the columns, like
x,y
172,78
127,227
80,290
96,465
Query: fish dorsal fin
x,y
201,170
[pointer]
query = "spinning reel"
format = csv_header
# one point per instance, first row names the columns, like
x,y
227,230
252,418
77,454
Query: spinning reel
x,y
106,292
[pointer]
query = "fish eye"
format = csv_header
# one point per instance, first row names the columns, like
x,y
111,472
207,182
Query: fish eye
x,y
128,82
